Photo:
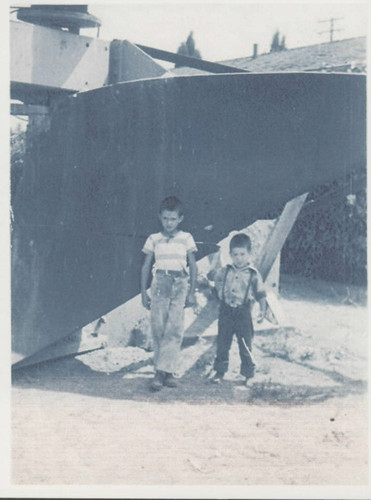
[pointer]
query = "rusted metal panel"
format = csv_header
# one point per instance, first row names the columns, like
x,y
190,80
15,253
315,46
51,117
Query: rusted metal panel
x,y
232,147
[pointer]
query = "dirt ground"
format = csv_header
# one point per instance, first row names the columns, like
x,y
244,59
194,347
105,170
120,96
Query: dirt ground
x,y
92,420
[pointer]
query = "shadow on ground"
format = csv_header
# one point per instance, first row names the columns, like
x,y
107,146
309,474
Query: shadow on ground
x,y
132,383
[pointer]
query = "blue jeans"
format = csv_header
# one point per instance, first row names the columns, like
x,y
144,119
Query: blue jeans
x,y
168,296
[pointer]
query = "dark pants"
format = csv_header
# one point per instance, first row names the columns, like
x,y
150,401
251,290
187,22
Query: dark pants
x,y
234,320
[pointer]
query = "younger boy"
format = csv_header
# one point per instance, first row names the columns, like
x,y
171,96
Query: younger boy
x,y
238,286
171,288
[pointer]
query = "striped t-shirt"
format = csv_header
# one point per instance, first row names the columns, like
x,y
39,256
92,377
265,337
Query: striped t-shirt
x,y
170,252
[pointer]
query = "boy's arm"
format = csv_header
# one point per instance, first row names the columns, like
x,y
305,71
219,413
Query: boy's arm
x,y
146,269
191,299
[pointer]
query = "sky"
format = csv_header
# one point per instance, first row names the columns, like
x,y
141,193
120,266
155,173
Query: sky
x,y
228,30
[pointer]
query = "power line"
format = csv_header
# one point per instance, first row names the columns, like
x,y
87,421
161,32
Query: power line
x,y
332,29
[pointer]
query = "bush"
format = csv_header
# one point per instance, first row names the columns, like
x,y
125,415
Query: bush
x,y
17,156
329,238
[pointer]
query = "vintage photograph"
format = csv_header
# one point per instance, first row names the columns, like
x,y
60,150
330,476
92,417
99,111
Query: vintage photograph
x,y
189,247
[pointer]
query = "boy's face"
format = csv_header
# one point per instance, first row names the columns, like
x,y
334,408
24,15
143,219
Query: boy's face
x,y
170,220
240,256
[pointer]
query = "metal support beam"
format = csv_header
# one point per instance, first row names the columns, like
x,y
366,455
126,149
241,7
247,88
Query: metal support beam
x,y
28,109
279,234
190,62
127,62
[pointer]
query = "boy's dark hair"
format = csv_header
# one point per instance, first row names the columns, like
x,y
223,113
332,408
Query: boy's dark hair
x,y
240,240
172,204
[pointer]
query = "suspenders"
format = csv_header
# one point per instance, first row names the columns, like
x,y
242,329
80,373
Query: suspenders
x,y
229,267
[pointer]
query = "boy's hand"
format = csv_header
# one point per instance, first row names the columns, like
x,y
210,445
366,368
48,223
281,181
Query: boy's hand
x,y
263,310
146,300
190,300
260,317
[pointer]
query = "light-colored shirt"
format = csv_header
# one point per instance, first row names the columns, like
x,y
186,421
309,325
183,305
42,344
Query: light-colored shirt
x,y
170,253
232,283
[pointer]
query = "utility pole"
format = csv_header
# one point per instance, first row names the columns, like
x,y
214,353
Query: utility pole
x,y
332,29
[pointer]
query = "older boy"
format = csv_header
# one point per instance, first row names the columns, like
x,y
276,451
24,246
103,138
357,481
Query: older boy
x,y
238,286
171,288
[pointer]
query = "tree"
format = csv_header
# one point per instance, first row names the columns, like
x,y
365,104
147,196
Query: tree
x,y
276,44
188,48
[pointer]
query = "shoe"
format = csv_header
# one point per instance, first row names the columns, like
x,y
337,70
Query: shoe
x,y
247,379
156,384
217,378
169,380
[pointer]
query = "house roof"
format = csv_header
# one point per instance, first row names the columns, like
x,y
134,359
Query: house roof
x,y
338,56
